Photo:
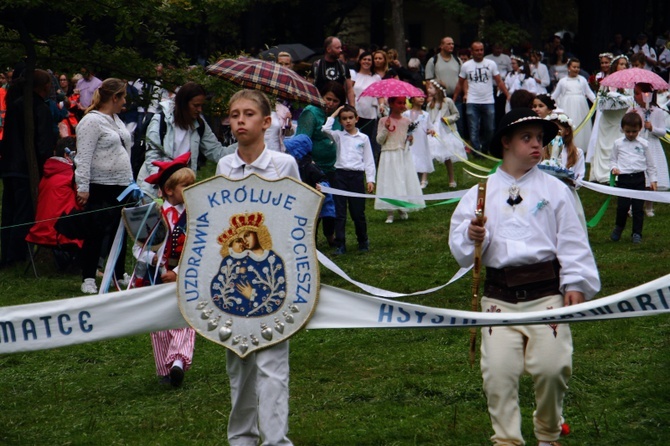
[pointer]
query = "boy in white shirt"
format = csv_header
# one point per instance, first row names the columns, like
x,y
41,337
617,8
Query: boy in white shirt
x,y
630,161
259,382
537,257
354,159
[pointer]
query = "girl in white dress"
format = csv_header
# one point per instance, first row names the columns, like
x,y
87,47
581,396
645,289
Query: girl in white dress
x,y
564,153
445,144
519,79
420,122
280,126
612,105
653,129
396,176
570,95
559,66
539,73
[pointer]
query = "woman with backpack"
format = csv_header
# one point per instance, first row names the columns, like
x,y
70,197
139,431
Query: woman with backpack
x,y
177,129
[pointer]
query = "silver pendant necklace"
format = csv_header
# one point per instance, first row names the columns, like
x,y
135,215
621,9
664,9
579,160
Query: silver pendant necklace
x,y
514,195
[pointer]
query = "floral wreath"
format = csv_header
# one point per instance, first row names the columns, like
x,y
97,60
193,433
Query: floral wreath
x,y
558,115
436,84
521,60
621,56
610,56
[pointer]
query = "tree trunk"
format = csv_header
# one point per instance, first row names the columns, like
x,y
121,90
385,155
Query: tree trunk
x,y
28,113
398,24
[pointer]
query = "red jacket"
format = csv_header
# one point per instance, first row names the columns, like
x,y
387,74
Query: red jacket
x,y
56,196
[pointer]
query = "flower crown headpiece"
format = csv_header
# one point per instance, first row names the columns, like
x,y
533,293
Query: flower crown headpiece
x,y
518,59
621,56
436,84
560,117
608,55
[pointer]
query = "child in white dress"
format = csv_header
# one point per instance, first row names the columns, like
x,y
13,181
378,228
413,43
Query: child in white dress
x,y
653,128
420,127
570,95
396,175
564,153
519,79
445,144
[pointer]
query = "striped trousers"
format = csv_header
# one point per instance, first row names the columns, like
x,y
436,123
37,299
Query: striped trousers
x,y
170,345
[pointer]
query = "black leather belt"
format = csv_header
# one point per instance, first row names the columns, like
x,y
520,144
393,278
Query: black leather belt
x,y
523,283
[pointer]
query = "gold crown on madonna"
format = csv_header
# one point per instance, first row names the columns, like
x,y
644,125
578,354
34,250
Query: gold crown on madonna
x,y
240,223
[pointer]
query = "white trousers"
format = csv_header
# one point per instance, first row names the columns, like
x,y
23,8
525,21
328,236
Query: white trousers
x,y
543,351
259,396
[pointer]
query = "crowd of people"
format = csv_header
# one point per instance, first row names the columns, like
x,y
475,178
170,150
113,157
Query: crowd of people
x,y
529,108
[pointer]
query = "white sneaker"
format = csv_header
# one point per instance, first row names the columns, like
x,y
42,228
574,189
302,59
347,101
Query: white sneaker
x,y
124,282
404,215
389,219
88,286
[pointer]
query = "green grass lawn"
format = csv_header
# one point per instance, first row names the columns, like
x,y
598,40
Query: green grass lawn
x,y
354,387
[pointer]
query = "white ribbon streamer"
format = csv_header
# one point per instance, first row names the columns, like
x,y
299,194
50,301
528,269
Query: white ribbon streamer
x,y
428,197
646,195
79,320
330,265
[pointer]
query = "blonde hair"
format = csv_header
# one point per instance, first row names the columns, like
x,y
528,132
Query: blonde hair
x,y
386,60
110,88
184,176
255,96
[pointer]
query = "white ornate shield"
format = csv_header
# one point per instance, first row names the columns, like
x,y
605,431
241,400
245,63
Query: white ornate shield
x,y
248,275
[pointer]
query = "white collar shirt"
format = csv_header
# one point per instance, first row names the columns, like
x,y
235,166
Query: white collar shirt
x,y
542,227
632,157
354,152
269,164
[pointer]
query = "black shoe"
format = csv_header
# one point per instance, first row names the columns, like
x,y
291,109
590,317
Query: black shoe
x,y
340,250
165,380
637,239
364,247
176,376
615,236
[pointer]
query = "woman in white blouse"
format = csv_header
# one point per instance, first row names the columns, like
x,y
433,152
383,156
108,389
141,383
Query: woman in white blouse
x,y
366,106
102,173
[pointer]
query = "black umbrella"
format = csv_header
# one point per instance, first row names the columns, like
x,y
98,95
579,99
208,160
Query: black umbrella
x,y
298,52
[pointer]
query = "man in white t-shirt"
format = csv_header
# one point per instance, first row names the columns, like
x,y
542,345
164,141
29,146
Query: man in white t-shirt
x,y
477,78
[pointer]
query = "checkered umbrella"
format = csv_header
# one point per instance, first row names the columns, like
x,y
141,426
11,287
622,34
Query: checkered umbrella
x,y
628,78
392,88
268,77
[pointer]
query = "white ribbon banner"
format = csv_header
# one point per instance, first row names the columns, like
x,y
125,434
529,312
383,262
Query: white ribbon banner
x,y
647,195
79,320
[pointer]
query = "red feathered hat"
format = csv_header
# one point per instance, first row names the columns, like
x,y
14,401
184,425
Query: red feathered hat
x,y
167,168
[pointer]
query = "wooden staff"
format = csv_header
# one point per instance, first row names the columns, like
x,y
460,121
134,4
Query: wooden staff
x,y
477,268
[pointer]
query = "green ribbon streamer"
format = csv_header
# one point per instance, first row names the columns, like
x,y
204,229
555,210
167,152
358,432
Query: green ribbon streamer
x,y
599,215
408,205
